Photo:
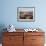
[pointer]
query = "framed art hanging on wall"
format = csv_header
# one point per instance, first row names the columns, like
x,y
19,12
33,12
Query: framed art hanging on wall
x,y
26,14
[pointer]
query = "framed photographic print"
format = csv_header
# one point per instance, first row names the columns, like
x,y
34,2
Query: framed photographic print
x,y
26,14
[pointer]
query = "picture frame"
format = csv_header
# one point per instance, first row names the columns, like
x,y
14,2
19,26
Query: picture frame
x,y
26,14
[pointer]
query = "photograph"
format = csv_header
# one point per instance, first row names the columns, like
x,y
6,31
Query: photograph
x,y
26,14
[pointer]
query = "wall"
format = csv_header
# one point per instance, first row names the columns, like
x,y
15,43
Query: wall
x,y
8,13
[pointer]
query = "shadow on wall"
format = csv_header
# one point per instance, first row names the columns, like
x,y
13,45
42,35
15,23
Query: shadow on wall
x,y
2,26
